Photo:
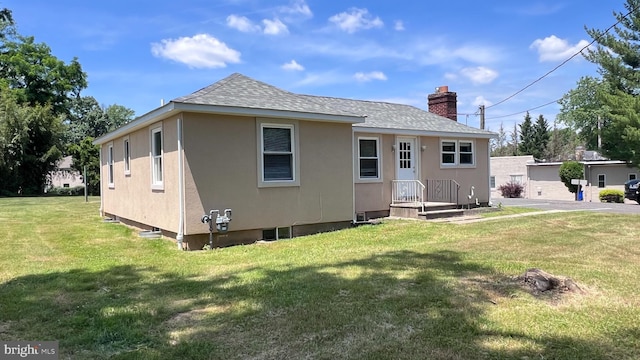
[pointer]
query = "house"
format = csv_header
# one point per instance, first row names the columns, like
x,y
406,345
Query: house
x,y
285,164
542,179
64,175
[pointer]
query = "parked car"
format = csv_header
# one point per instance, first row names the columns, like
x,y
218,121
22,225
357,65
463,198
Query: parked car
x,y
631,190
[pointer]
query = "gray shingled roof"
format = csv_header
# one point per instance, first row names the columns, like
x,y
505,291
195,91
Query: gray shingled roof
x,y
241,91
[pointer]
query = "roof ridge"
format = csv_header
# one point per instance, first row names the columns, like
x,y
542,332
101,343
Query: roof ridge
x,y
211,87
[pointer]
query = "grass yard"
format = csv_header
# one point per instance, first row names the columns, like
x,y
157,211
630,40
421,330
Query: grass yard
x,y
399,290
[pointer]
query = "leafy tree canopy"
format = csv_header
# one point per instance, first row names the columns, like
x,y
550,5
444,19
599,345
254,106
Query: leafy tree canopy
x,y
571,170
617,55
29,145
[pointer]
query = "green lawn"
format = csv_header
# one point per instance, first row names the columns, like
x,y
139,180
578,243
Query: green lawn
x,y
399,290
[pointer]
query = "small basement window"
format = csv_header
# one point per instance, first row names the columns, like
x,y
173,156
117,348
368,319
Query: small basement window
x,y
276,233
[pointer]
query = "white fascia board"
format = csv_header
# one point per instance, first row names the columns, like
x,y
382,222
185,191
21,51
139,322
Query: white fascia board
x,y
143,121
375,130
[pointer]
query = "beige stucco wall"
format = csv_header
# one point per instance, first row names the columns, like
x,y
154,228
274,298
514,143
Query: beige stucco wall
x,y
503,167
132,196
374,196
476,176
221,171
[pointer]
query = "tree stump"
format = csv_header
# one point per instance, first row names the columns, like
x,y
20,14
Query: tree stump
x,y
543,281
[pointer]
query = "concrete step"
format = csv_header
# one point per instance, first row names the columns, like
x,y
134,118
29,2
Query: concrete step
x,y
438,214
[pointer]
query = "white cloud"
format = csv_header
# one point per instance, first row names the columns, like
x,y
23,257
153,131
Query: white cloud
x,y
479,74
241,23
274,27
293,65
480,100
399,25
553,48
451,76
199,51
297,7
374,75
355,19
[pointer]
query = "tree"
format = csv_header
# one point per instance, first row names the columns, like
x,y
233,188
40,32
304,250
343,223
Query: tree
x,y
562,144
514,140
498,145
583,111
38,77
527,142
571,170
87,118
86,154
29,145
540,138
617,55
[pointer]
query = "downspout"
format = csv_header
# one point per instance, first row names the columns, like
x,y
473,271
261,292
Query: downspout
x,y
489,167
180,232
101,189
353,177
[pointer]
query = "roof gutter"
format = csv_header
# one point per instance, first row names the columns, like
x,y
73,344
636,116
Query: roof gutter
x,y
418,132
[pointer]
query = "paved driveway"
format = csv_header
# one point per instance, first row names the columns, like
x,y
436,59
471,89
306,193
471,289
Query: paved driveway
x,y
629,207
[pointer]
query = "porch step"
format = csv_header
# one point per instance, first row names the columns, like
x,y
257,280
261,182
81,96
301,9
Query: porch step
x,y
439,214
432,210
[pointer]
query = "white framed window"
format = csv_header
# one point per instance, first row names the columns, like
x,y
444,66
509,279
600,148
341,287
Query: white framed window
x,y
368,158
492,181
460,153
448,150
466,152
155,153
602,180
516,179
278,154
633,176
127,156
110,174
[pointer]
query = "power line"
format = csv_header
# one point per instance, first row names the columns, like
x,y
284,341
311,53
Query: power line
x,y
564,62
522,112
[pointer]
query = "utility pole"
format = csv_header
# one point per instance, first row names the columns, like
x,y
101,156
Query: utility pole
x,y
482,117
599,136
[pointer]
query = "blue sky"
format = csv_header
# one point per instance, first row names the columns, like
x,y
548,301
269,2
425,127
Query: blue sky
x,y
136,53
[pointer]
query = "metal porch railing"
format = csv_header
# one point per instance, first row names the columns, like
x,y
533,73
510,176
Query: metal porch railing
x,y
407,191
445,190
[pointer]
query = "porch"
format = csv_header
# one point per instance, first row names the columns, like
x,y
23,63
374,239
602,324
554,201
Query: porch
x,y
436,198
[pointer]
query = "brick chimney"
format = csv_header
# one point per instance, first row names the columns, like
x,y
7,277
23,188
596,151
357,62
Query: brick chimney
x,y
444,103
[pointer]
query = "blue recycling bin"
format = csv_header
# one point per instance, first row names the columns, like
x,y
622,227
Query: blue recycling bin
x,y
580,195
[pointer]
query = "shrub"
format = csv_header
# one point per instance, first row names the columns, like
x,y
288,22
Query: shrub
x,y
511,190
65,191
611,195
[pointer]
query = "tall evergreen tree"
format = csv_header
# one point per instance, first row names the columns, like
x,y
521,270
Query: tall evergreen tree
x,y
541,138
618,56
527,145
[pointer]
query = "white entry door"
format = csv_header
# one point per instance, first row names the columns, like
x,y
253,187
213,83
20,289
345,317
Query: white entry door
x,y
406,159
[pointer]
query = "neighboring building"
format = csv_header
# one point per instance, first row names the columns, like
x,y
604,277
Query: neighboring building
x,y
506,169
286,164
64,175
542,179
